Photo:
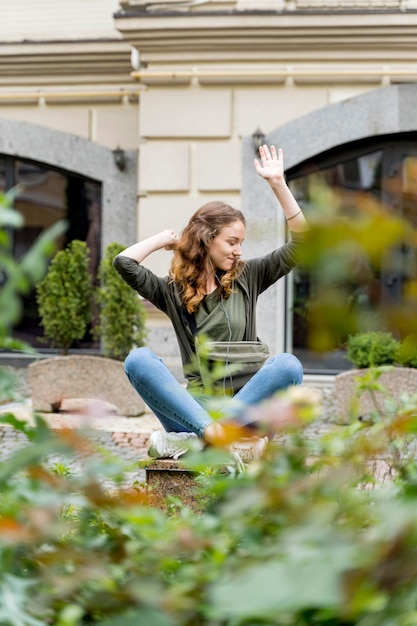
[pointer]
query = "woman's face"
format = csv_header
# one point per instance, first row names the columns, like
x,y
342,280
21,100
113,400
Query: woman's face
x,y
226,247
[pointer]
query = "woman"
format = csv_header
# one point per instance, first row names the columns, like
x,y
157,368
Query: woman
x,y
210,291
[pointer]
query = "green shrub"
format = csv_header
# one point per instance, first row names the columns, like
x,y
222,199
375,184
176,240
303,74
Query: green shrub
x,y
372,349
122,314
64,296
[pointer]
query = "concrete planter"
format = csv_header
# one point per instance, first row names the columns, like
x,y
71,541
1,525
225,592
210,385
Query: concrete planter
x,y
396,381
63,381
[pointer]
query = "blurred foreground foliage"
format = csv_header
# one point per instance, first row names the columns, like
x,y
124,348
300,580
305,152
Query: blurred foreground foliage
x,y
322,532
354,244
17,278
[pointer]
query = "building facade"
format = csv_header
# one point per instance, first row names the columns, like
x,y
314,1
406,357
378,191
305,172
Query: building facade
x,y
183,87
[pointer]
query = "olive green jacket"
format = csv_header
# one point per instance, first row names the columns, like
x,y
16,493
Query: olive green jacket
x,y
258,274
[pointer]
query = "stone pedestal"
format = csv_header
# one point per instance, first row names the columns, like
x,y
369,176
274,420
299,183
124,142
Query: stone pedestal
x,y
167,477
57,380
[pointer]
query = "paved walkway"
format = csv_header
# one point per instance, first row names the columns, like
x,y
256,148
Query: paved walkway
x,y
126,437
111,423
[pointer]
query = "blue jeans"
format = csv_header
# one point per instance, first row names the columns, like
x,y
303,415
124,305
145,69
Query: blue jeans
x,y
180,411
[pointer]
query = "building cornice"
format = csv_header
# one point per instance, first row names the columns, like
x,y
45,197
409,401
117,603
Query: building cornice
x,y
241,35
66,61
137,7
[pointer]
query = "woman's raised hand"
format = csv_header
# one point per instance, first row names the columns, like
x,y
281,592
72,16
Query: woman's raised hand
x,y
272,163
169,239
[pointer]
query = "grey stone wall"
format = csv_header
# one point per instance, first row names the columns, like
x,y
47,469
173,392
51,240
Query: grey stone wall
x,y
380,112
86,158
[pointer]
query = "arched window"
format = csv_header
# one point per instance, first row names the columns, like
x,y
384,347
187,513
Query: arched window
x,y
383,169
44,196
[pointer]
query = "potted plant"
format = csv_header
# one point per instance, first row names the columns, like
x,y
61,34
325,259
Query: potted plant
x,y
66,299
384,369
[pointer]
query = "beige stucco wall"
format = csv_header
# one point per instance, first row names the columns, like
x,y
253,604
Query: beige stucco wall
x,y
108,125
194,99
46,20
191,150
188,131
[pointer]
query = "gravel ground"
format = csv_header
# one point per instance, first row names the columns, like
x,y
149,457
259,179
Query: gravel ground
x,y
125,437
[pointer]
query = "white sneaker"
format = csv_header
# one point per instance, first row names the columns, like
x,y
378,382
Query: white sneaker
x,y
238,465
163,445
249,448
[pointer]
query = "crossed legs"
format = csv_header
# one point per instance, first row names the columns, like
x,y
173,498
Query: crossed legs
x,y
179,411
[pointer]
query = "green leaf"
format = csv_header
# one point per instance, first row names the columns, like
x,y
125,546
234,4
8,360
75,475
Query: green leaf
x,y
283,586
34,262
10,217
13,601
135,617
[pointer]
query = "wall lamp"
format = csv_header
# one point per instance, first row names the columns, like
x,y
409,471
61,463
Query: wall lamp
x,y
119,158
258,140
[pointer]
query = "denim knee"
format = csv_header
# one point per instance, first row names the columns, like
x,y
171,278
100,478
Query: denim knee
x,y
136,361
292,366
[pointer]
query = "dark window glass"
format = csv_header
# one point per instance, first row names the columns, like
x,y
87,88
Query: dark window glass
x,y
45,196
2,174
383,172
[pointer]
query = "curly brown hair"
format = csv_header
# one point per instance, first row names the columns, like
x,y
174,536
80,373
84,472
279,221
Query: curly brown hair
x,y
189,268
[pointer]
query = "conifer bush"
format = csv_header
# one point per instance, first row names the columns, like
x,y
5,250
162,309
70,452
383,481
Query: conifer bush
x,y
377,348
64,296
122,316
372,349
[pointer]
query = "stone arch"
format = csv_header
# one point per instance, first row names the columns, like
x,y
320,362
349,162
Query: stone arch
x,y
385,111
81,156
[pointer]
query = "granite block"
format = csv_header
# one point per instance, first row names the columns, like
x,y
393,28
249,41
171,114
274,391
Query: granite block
x,y
395,382
55,380
168,477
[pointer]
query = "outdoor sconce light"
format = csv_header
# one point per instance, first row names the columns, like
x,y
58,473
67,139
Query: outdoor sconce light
x,y
258,140
119,158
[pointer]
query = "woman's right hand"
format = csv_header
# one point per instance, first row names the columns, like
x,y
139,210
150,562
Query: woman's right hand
x,y
169,239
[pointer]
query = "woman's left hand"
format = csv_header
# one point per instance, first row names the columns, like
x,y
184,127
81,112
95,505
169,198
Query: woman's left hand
x,y
272,164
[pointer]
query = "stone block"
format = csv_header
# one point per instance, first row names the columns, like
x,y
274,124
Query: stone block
x,y
218,166
88,406
186,112
396,381
75,120
171,158
288,103
105,132
168,477
55,380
